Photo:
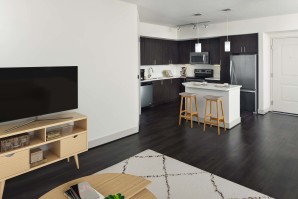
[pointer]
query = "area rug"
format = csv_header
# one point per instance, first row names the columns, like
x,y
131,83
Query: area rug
x,y
172,179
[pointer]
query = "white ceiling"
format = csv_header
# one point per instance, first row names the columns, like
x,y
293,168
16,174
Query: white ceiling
x,y
177,12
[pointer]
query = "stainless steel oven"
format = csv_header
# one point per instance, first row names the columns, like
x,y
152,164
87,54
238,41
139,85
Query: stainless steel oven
x,y
199,58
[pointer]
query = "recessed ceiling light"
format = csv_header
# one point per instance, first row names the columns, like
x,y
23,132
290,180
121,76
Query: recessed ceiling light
x,y
198,14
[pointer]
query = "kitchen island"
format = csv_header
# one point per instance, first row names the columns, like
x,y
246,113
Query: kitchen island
x,y
230,95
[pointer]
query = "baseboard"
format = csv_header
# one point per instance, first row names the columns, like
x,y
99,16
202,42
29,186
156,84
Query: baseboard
x,y
113,137
264,111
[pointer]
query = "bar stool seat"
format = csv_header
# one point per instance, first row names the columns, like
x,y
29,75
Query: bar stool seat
x,y
209,117
184,113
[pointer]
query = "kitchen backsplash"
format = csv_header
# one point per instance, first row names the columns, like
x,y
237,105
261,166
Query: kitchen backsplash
x,y
158,69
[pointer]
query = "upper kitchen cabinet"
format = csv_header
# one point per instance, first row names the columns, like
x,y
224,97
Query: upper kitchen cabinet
x,y
212,46
244,44
151,51
158,51
170,52
184,50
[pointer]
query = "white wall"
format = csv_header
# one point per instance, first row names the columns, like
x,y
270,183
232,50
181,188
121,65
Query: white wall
x,y
84,33
157,31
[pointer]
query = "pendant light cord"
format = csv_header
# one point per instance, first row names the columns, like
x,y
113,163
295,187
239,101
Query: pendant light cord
x,y
227,25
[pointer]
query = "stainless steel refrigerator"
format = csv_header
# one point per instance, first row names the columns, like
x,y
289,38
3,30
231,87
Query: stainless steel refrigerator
x,y
243,71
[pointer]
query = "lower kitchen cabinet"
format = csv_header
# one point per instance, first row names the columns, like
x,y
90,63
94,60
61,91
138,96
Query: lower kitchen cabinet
x,y
165,91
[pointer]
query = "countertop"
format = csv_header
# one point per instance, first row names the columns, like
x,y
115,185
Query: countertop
x,y
211,86
160,78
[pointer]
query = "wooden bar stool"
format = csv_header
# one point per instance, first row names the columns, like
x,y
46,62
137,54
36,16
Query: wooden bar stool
x,y
184,113
209,117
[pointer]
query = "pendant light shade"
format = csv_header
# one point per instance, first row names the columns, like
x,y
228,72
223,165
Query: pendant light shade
x,y
198,47
227,46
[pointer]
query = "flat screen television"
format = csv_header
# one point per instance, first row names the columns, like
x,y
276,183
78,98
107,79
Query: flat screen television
x,y
33,91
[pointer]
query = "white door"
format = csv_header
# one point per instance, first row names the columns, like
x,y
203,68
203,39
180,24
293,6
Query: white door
x,y
285,75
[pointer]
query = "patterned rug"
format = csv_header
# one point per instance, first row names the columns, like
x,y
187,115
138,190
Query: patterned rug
x,y
172,179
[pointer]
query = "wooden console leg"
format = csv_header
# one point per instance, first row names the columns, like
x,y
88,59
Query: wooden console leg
x,y
77,161
67,159
2,185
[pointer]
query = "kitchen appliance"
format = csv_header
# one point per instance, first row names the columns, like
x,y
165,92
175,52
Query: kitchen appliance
x,y
199,58
146,94
243,71
200,75
183,72
142,73
168,73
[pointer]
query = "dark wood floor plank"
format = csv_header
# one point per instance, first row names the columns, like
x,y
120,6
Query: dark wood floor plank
x,y
260,154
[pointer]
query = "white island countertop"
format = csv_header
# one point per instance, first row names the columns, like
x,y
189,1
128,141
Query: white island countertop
x,y
211,86
230,95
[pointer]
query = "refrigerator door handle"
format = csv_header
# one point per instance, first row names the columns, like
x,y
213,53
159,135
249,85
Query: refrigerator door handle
x,y
231,71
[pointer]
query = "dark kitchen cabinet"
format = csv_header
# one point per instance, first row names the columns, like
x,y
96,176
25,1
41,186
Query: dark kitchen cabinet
x,y
212,46
158,92
158,51
244,44
170,52
151,51
184,50
166,90
174,89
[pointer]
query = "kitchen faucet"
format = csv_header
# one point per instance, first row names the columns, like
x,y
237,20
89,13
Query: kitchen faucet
x,y
149,73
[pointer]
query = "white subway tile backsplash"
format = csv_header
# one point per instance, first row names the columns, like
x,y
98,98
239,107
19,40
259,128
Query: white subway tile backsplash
x,y
158,69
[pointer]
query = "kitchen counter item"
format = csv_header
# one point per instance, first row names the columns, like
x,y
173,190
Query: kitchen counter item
x,y
146,94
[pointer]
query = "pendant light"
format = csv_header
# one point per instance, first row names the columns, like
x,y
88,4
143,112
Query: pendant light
x,y
227,43
198,46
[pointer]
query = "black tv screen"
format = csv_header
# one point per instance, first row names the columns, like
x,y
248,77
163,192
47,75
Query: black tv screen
x,y
34,91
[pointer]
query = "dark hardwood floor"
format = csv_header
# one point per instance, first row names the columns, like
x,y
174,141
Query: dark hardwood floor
x,y
260,154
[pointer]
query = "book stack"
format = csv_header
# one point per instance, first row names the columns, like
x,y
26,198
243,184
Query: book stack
x,y
82,190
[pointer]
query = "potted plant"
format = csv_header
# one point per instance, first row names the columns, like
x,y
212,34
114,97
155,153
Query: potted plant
x,y
116,196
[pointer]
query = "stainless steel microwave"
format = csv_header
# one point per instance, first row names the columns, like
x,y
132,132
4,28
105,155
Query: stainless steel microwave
x,y
199,58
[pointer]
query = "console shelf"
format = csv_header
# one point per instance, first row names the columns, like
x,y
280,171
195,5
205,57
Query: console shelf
x,y
17,161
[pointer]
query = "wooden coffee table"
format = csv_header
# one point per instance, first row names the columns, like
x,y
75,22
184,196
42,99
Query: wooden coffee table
x,y
132,187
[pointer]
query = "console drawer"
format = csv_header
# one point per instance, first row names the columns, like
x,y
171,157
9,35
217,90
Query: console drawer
x,y
73,145
14,163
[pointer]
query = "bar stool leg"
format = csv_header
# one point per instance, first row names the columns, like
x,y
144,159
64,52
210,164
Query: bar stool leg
x,y
181,105
186,108
205,117
210,112
191,112
223,114
197,109
217,115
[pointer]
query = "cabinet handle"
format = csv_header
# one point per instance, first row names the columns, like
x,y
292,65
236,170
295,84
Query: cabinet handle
x,y
169,61
241,48
161,82
244,48
75,136
10,155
